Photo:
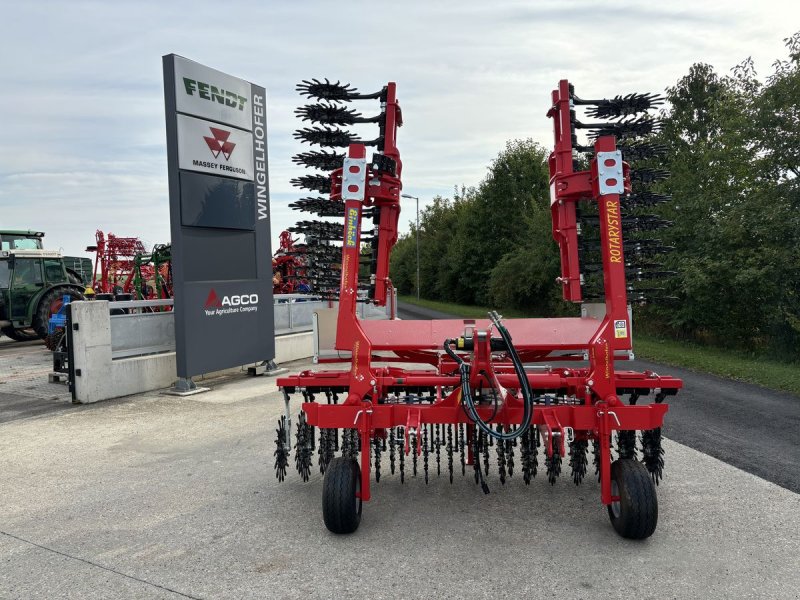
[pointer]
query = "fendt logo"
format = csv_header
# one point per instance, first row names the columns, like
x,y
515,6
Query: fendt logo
x,y
235,303
213,93
219,144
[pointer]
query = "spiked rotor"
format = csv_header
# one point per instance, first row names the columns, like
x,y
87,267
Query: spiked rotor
x,y
648,176
628,128
644,198
319,159
641,150
323,207
315,183
620,106
332,114
326,136
337,91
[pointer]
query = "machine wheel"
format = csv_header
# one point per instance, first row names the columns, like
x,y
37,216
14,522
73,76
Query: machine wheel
x,y
49,304
635,515
19,335
341,510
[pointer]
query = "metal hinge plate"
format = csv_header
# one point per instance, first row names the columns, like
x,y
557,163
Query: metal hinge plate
x,y
609,173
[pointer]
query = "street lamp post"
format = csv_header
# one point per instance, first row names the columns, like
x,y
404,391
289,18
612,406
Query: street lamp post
x,y
417,199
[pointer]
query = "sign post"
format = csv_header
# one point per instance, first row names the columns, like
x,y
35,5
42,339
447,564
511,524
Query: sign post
x,y
219,217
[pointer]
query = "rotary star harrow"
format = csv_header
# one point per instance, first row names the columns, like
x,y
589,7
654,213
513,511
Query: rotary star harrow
x,y
472,393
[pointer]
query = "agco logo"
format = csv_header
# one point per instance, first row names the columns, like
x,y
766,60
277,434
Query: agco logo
x,y
219,144
234,303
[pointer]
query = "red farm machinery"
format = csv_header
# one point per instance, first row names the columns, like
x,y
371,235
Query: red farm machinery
x,y
124,269
421,391
289,266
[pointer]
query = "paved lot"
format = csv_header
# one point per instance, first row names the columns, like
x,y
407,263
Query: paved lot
x,y
24,389
163,497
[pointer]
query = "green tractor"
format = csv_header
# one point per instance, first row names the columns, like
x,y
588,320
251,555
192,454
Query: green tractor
x,y
33,283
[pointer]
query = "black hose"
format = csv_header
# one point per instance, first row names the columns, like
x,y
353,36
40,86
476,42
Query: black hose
x,y
466,391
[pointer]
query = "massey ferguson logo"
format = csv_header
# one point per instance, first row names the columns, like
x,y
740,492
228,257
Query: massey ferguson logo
x,y
235,303
219,144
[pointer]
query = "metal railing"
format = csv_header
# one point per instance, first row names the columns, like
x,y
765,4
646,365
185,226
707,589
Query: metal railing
x,y
138,327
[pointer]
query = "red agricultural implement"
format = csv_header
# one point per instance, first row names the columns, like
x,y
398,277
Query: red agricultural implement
x,y
114,265
123,266
424,390
288,267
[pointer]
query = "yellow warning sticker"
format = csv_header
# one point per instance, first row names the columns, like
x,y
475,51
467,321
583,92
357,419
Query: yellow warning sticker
x,y
620,329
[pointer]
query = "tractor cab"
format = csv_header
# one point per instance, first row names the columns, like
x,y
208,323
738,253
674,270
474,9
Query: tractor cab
x,y
21,240
33,283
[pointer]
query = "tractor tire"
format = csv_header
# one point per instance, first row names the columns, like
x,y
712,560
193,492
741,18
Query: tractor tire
x,y
341,509
635,515
49,304
19,335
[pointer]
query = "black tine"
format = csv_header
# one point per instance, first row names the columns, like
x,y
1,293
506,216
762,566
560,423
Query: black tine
x,y
621,106
633,222
342,92
647,247
325,90
332,114
632,274
315,183
648,176
630,263
642,151
321,230
644,198
324,207
320,159
325,136
626,129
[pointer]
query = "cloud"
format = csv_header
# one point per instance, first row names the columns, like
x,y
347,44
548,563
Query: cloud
x,y
83,143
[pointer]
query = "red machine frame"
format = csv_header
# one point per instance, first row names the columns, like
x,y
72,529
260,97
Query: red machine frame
x,y
286,265
590,406
115,259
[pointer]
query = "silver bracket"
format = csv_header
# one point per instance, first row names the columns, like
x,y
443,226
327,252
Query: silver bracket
x,y
354,178
609,173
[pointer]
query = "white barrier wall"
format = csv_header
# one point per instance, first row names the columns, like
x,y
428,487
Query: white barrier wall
x,y
99,377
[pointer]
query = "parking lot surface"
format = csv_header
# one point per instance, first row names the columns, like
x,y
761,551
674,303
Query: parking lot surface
x,y
157,496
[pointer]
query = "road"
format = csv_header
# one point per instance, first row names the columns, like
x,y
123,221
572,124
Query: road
x,y
163,497
744,425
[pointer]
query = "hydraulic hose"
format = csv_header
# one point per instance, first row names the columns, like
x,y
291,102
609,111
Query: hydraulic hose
x,y
464,369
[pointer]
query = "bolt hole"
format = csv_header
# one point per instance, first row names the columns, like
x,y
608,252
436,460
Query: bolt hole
x,y
355,169
352,188
611,182
609,162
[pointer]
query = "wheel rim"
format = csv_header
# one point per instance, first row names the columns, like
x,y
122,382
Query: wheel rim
x,y
55,306
615,505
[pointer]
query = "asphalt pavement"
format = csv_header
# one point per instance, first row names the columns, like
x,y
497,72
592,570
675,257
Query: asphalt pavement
x,y
163,497
744,425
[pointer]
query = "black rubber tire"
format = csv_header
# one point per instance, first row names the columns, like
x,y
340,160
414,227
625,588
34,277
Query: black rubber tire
x,y
341,510
42,315
19,335
636,514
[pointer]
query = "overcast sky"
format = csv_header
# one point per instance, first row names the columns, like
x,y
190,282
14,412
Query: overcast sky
x,y
82,112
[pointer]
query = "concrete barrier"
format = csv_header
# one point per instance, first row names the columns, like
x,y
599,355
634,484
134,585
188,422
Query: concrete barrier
x,y
98,376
